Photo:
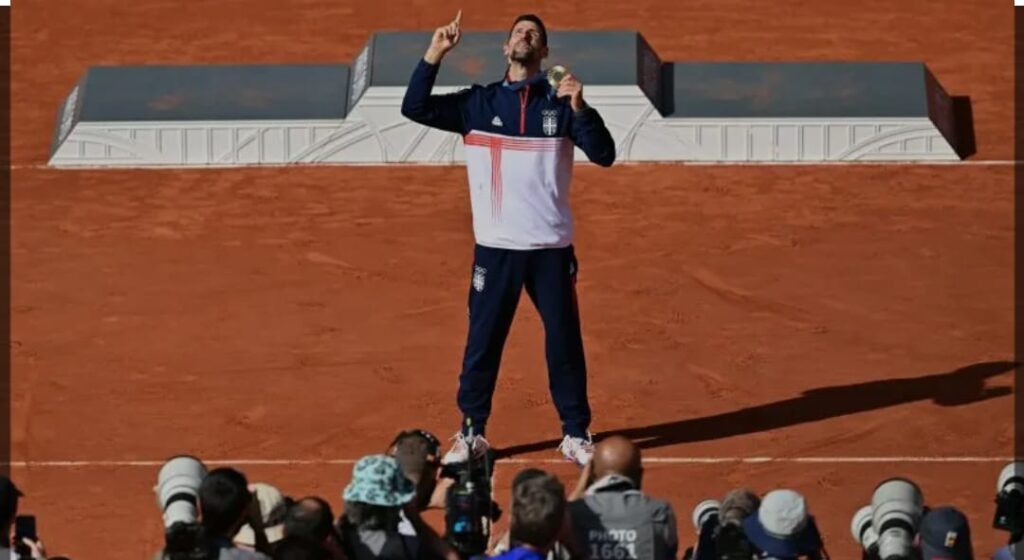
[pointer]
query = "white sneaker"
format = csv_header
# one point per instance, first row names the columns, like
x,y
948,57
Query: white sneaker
x,y
459,453
578,450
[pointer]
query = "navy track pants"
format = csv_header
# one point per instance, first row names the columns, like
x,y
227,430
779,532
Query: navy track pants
x,y
549,276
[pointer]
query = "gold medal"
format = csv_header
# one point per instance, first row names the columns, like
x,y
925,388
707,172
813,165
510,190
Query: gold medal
x,y
555,75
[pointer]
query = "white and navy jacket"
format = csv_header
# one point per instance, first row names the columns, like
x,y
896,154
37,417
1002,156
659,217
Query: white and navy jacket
x,y
519,142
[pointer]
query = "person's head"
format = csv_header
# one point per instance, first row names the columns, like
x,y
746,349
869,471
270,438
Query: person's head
x,y
310,517
418,455
618,455
273,506
538,509
527,474
782,526
527,42
224,498
299,548
737,505
377,492
945,535
9,495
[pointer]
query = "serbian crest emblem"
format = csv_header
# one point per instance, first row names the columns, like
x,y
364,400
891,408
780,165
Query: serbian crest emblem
x,y
550,122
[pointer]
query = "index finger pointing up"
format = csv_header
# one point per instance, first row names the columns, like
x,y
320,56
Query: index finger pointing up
x,y
458,18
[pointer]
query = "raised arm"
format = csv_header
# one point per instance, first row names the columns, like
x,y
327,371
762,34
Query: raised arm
x,y
419,105
592,136
588,130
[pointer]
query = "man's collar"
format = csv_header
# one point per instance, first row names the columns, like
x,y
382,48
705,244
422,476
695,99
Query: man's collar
x,y
537,78
612,482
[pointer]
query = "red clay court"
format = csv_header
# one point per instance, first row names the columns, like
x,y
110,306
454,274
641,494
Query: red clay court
x,y
813,327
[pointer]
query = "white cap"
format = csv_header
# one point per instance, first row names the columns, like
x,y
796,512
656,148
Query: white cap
x,y
272,509
783,513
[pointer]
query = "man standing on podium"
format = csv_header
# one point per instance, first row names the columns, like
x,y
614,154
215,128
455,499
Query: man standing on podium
x,y
519,136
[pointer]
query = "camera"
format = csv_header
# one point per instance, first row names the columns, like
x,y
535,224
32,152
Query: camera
x,y
886,529
186,541
706,512
1009,514
24,528
177,489
469,507
177,492
721,536
864,533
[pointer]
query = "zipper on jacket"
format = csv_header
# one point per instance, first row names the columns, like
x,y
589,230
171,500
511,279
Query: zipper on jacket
x,y
523,95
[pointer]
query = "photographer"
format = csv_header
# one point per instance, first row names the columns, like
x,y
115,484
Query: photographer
x,y
26,546
375,501
1009,514
897,525
225,504
782,528
311,518
273,505
945,534
417,453
539,516
720,527
610,515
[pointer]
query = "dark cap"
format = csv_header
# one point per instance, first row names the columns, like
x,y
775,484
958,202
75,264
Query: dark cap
x,y
945,535
536,20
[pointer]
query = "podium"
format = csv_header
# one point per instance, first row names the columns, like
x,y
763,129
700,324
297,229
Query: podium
x,y
750,112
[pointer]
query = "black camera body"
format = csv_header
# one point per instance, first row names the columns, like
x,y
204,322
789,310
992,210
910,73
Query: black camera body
x,y
24,528
187,541
1009,515
469,507
731,543
722,542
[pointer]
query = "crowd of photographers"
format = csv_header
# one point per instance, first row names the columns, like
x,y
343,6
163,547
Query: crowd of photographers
x,y
219,514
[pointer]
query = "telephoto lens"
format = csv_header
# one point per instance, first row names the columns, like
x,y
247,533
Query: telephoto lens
x,y
897,506
864,533
177,489
704,512
1010,500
